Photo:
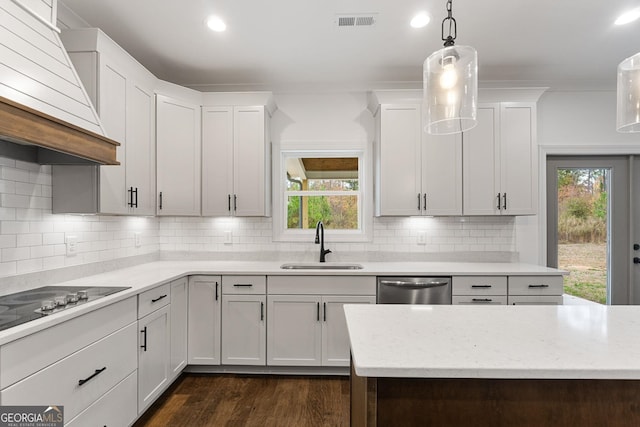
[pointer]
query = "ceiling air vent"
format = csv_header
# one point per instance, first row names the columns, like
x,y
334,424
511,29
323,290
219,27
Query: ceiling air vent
x,y
356,20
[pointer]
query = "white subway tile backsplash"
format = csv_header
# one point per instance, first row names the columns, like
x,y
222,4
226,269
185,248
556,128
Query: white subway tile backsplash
x,y
33,239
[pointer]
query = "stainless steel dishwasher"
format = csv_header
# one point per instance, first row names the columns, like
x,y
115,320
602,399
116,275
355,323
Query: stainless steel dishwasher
x,y
414,290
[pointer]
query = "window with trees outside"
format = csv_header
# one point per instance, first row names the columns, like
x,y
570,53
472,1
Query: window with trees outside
x,y
322,186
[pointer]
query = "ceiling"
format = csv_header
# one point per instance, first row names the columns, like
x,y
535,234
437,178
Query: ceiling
x,y
285,44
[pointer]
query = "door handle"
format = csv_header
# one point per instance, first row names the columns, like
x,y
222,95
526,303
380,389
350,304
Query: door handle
x,y
161,200
499,207
419,199
424,205
504,206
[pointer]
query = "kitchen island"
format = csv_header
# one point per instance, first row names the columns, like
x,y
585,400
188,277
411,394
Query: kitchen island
x,y
494,366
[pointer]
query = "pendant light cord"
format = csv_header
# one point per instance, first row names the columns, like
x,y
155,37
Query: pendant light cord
x,y
453,29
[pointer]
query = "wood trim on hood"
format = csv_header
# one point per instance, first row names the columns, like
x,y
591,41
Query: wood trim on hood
x,y
24,125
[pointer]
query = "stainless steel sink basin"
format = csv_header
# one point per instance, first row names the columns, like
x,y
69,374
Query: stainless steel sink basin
x,y
320,266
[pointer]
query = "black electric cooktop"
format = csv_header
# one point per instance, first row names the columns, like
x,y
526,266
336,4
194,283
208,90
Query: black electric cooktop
x,y
22,307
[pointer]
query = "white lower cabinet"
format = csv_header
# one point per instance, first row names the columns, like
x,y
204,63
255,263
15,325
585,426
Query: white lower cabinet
x,y
115,408
536,290
244,339
307,328
294,330
204,320
336,350
79,380
179,309
512,290
85,358
153,356
479,290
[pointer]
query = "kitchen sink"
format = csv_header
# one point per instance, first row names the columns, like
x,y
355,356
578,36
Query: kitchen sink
x,y
320,266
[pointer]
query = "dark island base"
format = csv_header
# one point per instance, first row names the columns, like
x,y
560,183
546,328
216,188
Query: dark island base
x,y
493,402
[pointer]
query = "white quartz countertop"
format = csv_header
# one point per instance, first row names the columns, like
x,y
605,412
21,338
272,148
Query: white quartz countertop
x,y
146,276
543,342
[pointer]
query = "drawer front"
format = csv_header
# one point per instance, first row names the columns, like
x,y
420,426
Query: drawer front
x,y
535,285
23,357
100,367
153,299
116,408
479,300
322,285
535,300
479,285
238,285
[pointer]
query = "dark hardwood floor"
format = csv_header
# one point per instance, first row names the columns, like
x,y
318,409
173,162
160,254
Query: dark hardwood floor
x,y
244,400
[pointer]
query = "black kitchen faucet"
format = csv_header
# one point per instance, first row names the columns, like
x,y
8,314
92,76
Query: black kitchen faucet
x,y
320,239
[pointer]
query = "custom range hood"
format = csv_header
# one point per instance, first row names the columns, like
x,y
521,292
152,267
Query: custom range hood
x,y
45,113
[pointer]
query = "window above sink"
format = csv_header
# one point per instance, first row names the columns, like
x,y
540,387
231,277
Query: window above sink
x,y
325,182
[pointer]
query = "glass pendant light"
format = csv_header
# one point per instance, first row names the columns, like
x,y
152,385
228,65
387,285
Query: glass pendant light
x,y
450,84
628,110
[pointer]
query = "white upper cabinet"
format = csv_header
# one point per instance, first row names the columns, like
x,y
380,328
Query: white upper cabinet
x,y
490,170
500,161
416,173
122,93
178,156
236,156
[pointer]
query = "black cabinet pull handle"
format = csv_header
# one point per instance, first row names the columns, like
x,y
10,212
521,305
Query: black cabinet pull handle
x,y
261,311
161,200
481,300
318,311
135,204
324,311
242,285
499,202
229,208
159,298
419,199
424,205
235,202
144,343
89,378
480,286
217,291
130,202
636,260
504,206
538,286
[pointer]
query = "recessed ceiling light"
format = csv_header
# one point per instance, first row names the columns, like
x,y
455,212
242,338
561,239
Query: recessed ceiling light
x,y
420,20
215,23
628,17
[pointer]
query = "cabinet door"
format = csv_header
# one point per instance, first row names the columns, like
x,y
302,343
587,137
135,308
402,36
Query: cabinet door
x,y
335,337
480,164
250,158
398,152
178,157
179,301
442,174
294,330
141,150
153,356
112,109
518,158
243,330
204,320
217,161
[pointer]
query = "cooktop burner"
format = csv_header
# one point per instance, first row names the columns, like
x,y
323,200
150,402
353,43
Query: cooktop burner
x,y
22,307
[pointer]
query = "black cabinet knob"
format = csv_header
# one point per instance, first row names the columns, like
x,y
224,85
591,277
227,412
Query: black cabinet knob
x,y
636,247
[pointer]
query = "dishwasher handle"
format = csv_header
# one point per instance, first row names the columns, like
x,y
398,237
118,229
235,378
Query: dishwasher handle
x,y
414,285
